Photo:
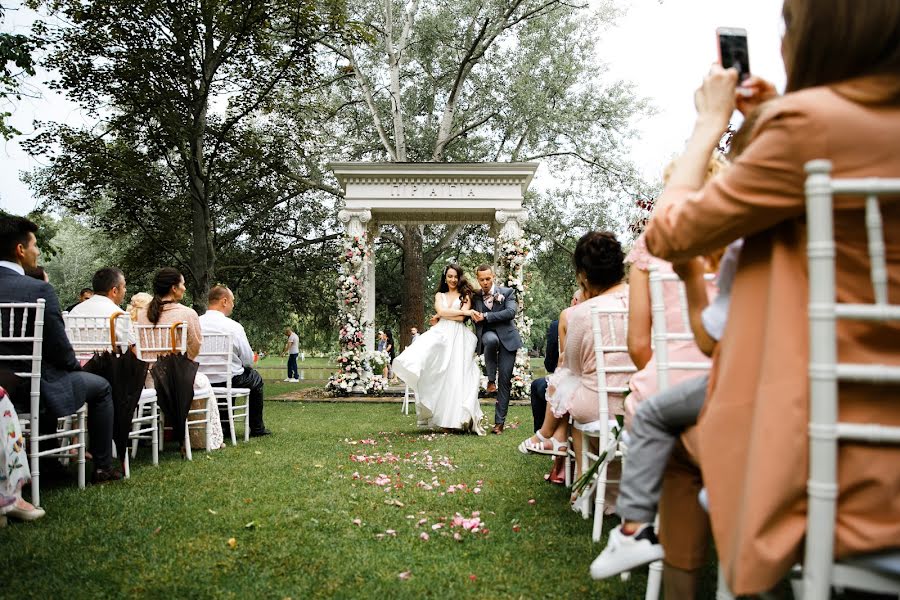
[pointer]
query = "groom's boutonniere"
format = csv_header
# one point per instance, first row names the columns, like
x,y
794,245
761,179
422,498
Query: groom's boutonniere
x,y
499,298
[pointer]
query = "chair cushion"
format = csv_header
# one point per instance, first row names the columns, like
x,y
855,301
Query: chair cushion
x,y
593,428
148,393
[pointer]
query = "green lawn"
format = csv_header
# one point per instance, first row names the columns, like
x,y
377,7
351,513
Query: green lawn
x,y
289,501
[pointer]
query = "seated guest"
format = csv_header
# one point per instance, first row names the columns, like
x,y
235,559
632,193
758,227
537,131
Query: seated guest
x,y
217,320
572,389
14,463
64,386
83,295
539,385
842,87
109,293
166,309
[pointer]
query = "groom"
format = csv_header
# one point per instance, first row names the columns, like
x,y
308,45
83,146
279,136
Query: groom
x,y
495,310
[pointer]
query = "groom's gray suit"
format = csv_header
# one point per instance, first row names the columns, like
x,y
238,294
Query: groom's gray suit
x,y
498,340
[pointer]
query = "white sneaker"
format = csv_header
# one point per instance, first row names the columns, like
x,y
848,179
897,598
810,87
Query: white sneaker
x,y
294,380
288,380
626,552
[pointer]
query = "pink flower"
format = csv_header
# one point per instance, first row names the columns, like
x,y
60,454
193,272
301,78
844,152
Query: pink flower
x,y
457,537
531,501
424,536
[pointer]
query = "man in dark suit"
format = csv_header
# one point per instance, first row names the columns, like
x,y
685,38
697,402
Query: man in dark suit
x,y
64,386
498,339
539,385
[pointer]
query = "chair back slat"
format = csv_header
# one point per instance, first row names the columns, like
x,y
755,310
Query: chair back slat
x,y
215,356
88,335
875,231
151,341
825,372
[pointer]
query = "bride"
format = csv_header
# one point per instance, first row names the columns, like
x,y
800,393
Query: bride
x,y
440,367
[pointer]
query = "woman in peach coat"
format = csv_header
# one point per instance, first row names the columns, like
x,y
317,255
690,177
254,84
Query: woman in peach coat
x,y
843,104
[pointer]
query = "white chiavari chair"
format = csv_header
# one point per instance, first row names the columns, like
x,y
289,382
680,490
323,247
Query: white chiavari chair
x,y
216,355
880,573
22,323
98,334
152,341
663,335
610,330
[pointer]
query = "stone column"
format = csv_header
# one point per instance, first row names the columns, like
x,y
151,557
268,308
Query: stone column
x,y
511,224
372,231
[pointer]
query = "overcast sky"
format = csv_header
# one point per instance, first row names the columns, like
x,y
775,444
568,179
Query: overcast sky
x,y
664,48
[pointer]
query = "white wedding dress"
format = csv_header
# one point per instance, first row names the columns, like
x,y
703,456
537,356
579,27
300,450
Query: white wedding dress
x,y
440,367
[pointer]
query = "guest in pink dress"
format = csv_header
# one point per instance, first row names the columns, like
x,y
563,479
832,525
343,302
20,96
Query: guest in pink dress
x,y
572,389
643,384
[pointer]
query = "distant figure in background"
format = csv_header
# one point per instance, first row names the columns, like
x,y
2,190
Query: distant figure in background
x,y
389,338
38,273
415,334
83,295
292,349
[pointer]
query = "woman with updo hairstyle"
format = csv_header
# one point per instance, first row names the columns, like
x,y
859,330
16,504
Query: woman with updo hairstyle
x,y
165,309
572,390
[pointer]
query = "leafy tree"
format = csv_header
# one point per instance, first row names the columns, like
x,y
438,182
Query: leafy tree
x,y
480,80
16,61
186,157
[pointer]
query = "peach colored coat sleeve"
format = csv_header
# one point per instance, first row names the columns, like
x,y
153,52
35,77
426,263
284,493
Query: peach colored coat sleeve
x,y
752,441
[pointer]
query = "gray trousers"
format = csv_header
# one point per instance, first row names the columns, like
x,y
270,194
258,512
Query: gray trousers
x,y
499,363
654,430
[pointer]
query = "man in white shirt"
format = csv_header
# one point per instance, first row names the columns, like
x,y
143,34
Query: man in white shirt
x,y
292,349
109,293
216,320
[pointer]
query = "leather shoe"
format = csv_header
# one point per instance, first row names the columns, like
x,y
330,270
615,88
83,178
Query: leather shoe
x,y
25,514
491,387
106,475
260,432
498,429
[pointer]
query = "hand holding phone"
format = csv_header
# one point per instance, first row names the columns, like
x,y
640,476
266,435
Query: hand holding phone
x,y
733,50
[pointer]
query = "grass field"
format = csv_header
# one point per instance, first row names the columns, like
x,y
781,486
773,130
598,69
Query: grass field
x,y
290,504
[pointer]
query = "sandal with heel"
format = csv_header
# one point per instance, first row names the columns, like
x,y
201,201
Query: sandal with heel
x,y
558,448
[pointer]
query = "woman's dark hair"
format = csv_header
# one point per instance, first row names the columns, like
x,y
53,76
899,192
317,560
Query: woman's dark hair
x,y
390,342
462,286
827,41
599,256
163,281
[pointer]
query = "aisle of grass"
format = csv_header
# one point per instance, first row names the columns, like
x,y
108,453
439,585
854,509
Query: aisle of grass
x,y
289,501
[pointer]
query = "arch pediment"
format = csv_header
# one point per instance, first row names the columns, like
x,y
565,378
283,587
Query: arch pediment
x,y
434,192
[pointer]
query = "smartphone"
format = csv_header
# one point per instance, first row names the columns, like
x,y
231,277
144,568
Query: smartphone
x,y
733,50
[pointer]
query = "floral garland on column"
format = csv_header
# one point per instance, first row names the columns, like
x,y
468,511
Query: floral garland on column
x,y
353,373
513,254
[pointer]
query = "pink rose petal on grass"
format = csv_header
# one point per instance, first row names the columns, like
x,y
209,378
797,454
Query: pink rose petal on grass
x,y
457,537
531,501
404,575
436,526
424,536
357,522
473,577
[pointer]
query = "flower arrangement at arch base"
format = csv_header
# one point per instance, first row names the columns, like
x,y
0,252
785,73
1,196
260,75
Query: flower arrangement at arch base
x,y
513,255
353,373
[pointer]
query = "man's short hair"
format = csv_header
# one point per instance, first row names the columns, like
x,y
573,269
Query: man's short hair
x,y
104,280
217,293
484,267
85,291
14,230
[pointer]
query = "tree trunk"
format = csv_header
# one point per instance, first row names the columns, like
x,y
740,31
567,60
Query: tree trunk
x,y
413,282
